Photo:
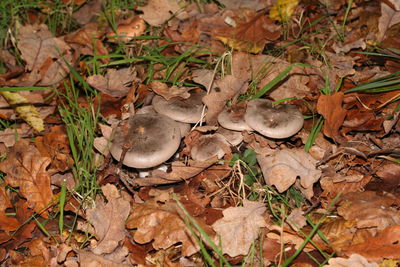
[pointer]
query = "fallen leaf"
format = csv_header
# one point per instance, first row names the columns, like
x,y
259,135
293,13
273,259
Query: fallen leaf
x,y
43,53
26,169
163,90
239,227
108,220
283,9
87,12
385,245
90,259
157,12
250,31
330,106
24,109
9,136
87,41
163,225
116,83
369,210
283,167
7,223
222,91
389,17
55,145
354,260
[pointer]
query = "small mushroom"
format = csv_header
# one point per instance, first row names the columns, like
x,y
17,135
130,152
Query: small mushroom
x,y
185,110
275,121
149,140
209,146
233,137
232,118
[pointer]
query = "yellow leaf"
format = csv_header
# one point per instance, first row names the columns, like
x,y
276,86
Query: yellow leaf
x,y
283,9
26,111
242,46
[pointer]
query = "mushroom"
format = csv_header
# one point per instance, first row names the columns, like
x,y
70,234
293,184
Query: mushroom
x,y
209,146
275,121
149,140
185,110
233,137
232,118
184,127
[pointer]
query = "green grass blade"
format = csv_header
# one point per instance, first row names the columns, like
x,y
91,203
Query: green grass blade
x,y
61,204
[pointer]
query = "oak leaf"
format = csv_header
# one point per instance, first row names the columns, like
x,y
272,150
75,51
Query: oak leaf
x,y
108,220
163,225
26,169
239,227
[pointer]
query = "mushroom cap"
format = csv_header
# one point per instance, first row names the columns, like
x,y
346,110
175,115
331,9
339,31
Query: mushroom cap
x,y
275,121
155,138
184,110
233,137
209,146
233,119
185,127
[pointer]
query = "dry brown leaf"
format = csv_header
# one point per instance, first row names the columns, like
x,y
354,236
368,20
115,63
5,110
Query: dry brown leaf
x,y
157,12
163,225
116,83
267,68
296,219
354,260
108,220
26,169
385,245
9,136
283,167
250,31
330,106
87,41
55,145
87,12
163,90
239,227
369,210
6,223
389,17
90,259
180,172
43,53
223,90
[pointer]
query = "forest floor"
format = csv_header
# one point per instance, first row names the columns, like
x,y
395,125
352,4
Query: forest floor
x,y
81,85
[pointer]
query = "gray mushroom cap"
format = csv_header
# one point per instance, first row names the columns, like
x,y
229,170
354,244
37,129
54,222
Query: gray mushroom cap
x,y
155,138
233,119
233,137
209,146
184,110
275,121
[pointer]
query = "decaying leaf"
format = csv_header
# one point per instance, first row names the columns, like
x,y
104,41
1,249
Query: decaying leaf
x,y
128,29
239,227
354,260
330,106
116,83
26,169
163,90
163,225
7,223
44,54
25,110
283,9
283,167
369,210
108,220
157,12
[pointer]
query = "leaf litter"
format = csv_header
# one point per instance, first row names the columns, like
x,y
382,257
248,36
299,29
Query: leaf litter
x,y
328,194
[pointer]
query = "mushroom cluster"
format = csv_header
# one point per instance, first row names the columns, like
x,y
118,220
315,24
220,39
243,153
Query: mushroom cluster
x,y
273,121
153,135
